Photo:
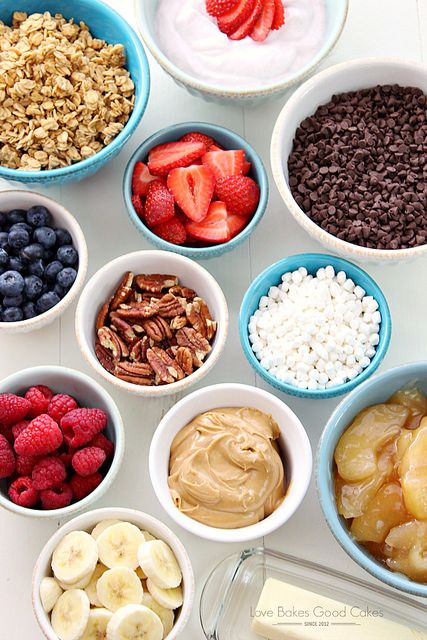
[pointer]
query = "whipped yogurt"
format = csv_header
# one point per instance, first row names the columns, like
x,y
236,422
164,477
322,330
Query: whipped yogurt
x,y
191,39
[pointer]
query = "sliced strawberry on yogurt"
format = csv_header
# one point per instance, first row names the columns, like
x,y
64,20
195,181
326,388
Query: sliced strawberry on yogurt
x,y
229,22
247,26
279,15
171,155
263,25
224,164
216,8
193,188
141,179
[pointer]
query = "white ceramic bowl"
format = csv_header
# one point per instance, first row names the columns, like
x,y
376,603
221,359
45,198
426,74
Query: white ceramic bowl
x,y
102,285
19,199
348,76
293,442
86,522
336,11
88,393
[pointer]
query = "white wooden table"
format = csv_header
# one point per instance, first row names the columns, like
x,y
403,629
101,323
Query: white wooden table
x,y
374,27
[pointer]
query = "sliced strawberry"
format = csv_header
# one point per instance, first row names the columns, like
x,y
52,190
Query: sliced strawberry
x,y
239,193
224,164
141,179
279,15
263,25
192,188
137,205
159,205
171,155
216,8
172,231
229,22
247,26
196,136
246,167
214,227
216,147
236,223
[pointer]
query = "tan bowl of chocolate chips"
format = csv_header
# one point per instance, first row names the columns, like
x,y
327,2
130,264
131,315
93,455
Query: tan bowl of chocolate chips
x,y
152,323
353,178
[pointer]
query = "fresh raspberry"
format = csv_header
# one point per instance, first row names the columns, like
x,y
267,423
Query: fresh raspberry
x,y
40,437
39,403
239,193
7,458
19,427
88,460
22,492
48,393
57,497
82,487
81,425
101,441
6,430
26,464
60,405
48,473
12,408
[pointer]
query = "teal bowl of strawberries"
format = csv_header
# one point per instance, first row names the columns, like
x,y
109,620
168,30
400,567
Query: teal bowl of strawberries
x,y
195,188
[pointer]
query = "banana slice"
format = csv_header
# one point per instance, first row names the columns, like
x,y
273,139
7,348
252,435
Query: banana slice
x,y
118,587
91,587
158,562
134,622
168,598
167,617
75,557
49,593
101,526
80,584
118,545
70,615
147,535
97,625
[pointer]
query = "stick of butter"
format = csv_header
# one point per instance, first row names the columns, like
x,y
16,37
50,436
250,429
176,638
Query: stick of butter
x,y
286,612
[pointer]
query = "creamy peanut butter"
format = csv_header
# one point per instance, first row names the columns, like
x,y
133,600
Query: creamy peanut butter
x,y
225,468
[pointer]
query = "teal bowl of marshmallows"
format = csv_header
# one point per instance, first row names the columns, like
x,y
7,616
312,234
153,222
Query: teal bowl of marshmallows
x,y
82,114
314,326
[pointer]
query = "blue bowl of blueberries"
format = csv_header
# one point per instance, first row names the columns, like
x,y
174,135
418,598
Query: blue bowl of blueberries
x,y
43,260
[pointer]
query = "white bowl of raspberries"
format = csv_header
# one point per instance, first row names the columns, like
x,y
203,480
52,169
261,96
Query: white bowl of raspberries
x,y
43,260
61,441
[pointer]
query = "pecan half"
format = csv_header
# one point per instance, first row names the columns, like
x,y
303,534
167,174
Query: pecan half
x,y
123,328
113,342
154,329
142,369
138,311
198,345
183,292
155,282
146,382
166,369
138,352
101,319
105,357
178,322
123,292
184,358
169,306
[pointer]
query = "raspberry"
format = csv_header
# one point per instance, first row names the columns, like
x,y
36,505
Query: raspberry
x,y
103,443
67,455
7,432
40,437
57,497
82,487
81,425
48,393
60,405
7,458
22,492
12,408
39,403
25,464
19,427
88,460
48,473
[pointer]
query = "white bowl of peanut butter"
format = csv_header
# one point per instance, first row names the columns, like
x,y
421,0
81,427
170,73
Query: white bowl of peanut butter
x,y
230,463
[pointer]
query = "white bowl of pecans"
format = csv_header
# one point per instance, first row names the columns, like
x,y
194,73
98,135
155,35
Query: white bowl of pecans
x,y
152,323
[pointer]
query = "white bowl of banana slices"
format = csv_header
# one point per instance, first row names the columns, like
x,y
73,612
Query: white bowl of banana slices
x,y
116,574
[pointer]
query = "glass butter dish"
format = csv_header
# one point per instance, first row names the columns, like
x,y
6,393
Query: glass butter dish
x,y
230,596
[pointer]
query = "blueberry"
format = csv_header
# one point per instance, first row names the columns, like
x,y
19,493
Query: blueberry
x,y
12,314
29,310
14,216
62,237
32,252
2,218
45,236
22,225
33,287
52,270
38,216
16,264
47,301
67,255
4,238
11,283
13,301
4,257
18,238
66,277
60,291
48,255
36,268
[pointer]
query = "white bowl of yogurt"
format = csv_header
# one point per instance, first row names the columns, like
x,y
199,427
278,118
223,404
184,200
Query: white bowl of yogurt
x,y
189,46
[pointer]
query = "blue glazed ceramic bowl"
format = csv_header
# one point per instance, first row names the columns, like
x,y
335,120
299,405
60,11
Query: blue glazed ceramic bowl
x,y
107,24
373,391
312,262
227,139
